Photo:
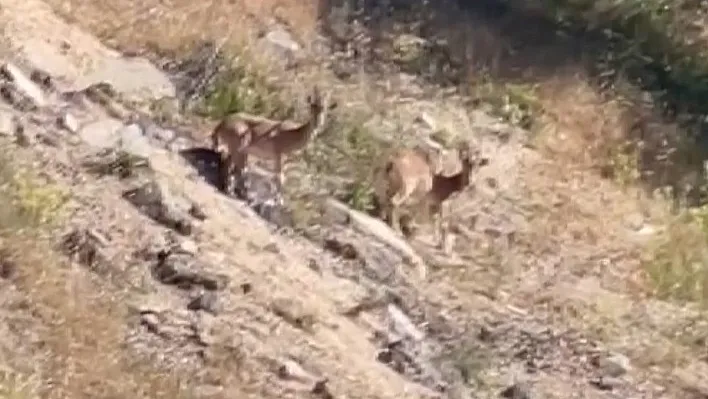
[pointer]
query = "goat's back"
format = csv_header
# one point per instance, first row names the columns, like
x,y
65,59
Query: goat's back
x,y
240,130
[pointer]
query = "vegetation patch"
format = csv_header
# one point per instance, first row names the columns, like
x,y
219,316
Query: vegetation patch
x,y
117,163
243,89
516,103
339,162
30,201
677,266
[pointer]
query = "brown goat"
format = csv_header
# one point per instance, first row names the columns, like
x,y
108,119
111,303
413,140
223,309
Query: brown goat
x,y
410,174
246,134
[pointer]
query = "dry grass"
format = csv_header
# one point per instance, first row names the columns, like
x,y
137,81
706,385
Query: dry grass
x,y
174,25
677,263
78,349
579,125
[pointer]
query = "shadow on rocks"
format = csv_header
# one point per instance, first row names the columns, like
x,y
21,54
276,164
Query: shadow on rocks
x,y
206,162
260,194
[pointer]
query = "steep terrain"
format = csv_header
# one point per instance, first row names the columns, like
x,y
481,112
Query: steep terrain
x,y
128,274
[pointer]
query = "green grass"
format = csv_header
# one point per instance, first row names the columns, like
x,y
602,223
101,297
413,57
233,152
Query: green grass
x,y
243,89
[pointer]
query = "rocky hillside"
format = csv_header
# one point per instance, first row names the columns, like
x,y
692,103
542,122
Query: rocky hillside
x,y
127,274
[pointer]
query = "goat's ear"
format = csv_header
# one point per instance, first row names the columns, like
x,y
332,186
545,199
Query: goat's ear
x,y
333,105
484,161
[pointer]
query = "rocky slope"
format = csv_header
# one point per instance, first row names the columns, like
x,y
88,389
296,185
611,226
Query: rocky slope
x,y
205,289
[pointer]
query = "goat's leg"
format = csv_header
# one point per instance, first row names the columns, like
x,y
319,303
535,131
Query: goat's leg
x,y
442,228
224,173
393,216
436,229
279,176
239,162
384,209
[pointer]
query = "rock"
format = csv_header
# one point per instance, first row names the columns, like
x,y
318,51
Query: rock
x,y
188,247
613,365
179,144
206,301
371,226
283,39
159,134
151,321
8,267
516,391
89,248
133,141
17,99
281,44
156,201
37,41
185,273
42,78
24,84
102,133
23,137
343,249
69,122
134,79
606,383
8,123
634,221
290,369
293,313
197,211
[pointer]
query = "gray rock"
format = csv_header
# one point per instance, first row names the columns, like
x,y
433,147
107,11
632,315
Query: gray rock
x,y
606,383
8,123
516,391
151,321
184,272
133,141
156,201
134,79
207,301
23,137
382,232
103,133
283,39
188,246
16,98
179,144
613,365
159,134
280,44
69,122
24,84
